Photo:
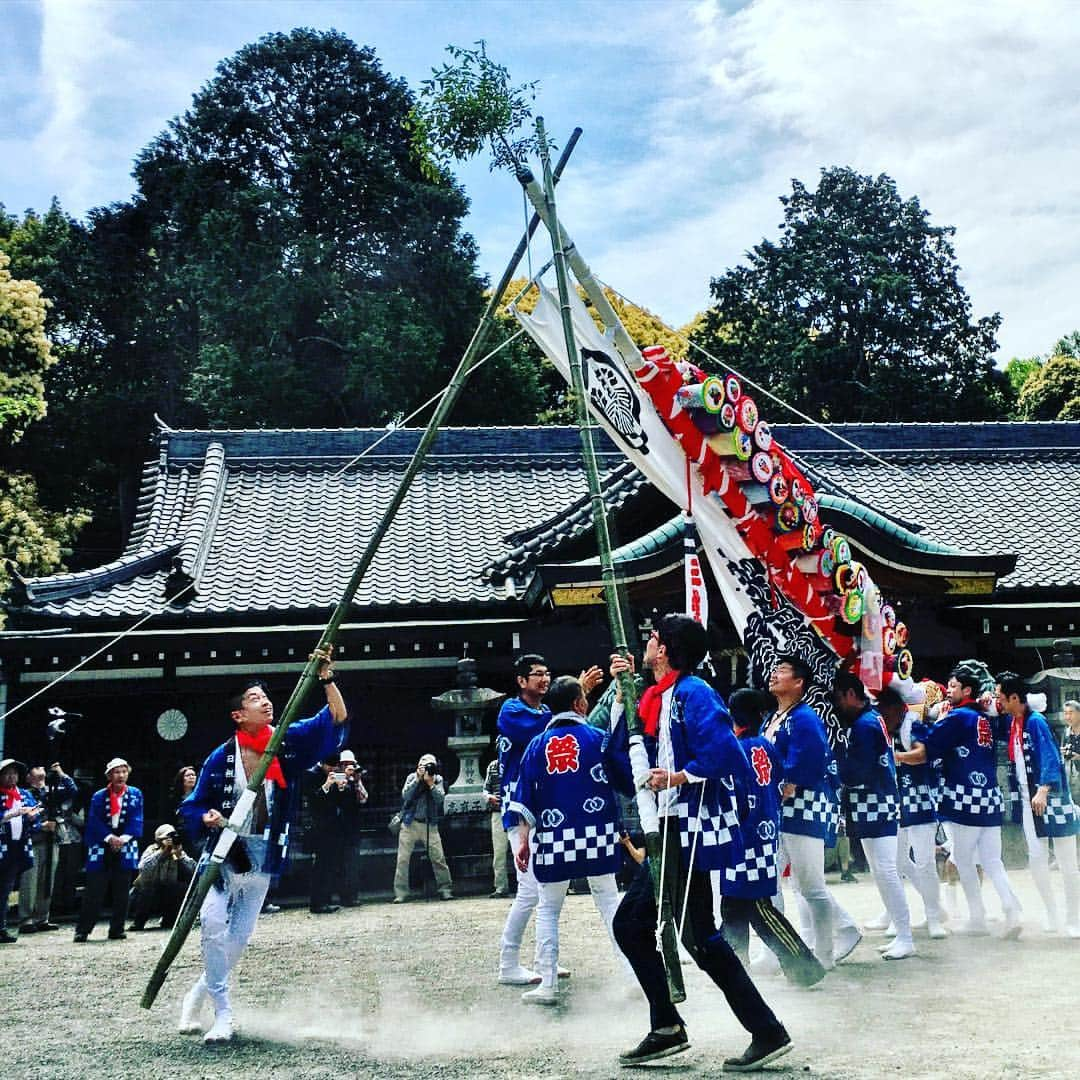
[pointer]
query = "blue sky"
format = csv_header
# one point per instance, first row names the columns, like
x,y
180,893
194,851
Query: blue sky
x,y
696,116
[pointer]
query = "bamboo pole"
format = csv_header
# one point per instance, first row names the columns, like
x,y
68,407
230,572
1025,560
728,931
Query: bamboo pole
x,y
238,818
653,839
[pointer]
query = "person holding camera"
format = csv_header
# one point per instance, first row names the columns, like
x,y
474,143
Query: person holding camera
x,y
36,886
334,799
165,871
1070,747
422,798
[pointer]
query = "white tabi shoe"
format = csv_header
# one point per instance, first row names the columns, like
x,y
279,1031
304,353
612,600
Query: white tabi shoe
x,y
222,1029
519,976
936,930
1013,926
918,924
542,995
561,972
879,922
899,950
971,928
844,943
190,1024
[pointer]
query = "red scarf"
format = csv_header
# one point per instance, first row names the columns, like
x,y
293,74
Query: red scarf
x,y
258,743
1016,731
115,798
11,796
649,705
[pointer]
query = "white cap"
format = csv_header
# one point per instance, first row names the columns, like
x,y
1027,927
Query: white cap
x,y
428,759
347,757
115,763
163,831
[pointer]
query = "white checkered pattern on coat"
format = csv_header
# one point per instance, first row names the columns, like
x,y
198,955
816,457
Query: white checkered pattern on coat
x,y
568,845
870,807
715,831
808,805
973,800
1059,811
918,800
760,866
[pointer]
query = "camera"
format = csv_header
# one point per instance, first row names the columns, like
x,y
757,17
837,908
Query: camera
x,y
338,777
432,768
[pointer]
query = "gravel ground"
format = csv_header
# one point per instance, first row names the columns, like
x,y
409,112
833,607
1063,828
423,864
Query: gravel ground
x,y
408,991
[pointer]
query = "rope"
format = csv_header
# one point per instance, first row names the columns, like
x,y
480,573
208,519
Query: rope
x,y
398,424
773,397
150,615
86,659
693,852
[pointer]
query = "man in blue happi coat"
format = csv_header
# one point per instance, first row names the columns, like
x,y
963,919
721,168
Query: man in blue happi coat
x,y
700,777
20,816
1041,802
230,910
571,823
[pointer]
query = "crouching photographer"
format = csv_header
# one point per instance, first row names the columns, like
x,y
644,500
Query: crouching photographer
x,y
422,799
165,871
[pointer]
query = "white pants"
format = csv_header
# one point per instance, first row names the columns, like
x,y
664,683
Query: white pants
x,y
916,858
605,894
806,857
881,855
517,918
980,845
228,918
1039,864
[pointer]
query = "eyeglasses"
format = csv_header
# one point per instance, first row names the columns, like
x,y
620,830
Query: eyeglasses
x,y
545,674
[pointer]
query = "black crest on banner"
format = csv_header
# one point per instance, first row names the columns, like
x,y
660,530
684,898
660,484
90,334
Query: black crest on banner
x,y
774,627
614,395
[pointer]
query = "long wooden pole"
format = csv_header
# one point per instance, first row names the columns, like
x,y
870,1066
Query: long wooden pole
x,y
238,818
653,839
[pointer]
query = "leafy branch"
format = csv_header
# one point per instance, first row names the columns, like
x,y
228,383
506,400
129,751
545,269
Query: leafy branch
x,y
469,105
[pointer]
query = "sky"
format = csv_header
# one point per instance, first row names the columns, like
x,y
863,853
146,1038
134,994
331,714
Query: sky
x,y
696,117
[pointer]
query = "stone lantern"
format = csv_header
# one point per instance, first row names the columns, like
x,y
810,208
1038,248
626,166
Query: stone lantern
x,y
467,704
1059,682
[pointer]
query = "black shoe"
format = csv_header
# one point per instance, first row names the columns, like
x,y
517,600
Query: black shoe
x,y
849,877
6,938
79,939
498,894
28,928
269,909
137,926
656,1045
42,927
117,937
762,1050
326,909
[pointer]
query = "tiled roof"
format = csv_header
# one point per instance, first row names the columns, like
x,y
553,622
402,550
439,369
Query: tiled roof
x,y
252,522
274,521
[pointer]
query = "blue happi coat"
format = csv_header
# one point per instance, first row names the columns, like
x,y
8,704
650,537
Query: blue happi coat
x,y
808,763
1043,765
963,740
704,746
868,773
918,783
99,826
564,793
306,742
518,725
755,874
21,850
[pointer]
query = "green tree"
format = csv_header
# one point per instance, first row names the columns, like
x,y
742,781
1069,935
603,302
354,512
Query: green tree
x,y
325,279
1019,369
856,311
1052,392
32,539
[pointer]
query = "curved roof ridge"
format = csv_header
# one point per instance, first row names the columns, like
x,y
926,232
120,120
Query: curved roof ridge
x,y
190,560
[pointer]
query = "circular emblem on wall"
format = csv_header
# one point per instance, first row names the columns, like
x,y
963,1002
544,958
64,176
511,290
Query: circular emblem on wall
x,y
172,725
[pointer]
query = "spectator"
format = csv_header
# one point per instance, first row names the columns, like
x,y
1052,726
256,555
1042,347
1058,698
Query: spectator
x,y
19,822
182,786
165,870
422,798
500,848
70,821
114,824
1070,747
335,796
36,886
